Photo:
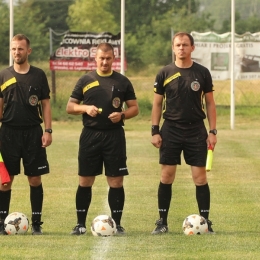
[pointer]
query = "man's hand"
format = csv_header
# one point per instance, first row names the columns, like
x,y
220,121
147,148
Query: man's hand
x,y
156,141
115,117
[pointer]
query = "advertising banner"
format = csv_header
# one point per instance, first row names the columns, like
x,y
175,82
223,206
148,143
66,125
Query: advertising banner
x,y
78,49
214,52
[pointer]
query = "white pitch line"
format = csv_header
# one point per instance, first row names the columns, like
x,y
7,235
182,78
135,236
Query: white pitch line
x,y
103,243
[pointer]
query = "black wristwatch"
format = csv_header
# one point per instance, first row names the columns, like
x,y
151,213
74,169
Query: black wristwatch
x,y
48,131
122,116
213,131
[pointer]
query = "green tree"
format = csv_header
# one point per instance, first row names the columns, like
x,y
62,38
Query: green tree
x,y
156,47
143,12
146,22
33,18
54,13
4,32
29,21
220,11
91,16
251,24
150,41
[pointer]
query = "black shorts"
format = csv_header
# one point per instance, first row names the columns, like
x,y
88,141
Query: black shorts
x,y
25,144
190,138
102,147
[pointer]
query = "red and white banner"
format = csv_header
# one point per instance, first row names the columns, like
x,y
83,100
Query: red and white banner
x,y
77,51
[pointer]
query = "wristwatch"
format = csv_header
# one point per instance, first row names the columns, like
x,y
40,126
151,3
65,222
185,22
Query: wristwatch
x,y
48,131
213,131
122,116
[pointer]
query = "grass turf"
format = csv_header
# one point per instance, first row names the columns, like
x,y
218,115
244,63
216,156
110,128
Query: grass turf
x,y
234,182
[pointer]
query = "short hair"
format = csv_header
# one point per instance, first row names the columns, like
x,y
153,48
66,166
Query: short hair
x,y
181,34
20,37
105,46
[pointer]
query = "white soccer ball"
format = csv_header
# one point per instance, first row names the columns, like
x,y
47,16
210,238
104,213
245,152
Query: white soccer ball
x,y
194,225
16,223
103,225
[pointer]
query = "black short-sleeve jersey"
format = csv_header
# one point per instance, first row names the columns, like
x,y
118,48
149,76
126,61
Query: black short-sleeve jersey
x,y
183,90
22,94
108,93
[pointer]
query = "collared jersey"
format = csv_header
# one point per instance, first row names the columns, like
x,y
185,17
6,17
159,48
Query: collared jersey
x,y
22,94
183,90
105,92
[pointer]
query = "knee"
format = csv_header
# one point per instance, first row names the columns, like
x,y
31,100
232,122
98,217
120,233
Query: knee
x,y
35,181
167,178
200,180
115,182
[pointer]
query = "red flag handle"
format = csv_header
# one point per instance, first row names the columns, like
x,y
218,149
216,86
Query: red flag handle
x,y
5,177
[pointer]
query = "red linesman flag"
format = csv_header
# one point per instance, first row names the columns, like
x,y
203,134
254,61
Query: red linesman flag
x,y
5,177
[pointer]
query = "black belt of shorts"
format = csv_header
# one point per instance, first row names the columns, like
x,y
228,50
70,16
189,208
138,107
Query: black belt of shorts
x,y
103,129
180,125
19,127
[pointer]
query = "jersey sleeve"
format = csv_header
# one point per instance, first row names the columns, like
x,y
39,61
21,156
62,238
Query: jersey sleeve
x,y
45,90
130,93
158,86
208,82
77,92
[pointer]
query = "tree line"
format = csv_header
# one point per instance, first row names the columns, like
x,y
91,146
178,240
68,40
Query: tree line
x,y
149,24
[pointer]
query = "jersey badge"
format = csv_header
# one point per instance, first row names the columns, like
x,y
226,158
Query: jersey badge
x,y
33,100
116,102
195,85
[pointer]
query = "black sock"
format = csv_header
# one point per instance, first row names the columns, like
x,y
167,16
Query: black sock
x,y
5,198
203,200
116,201
83,200
36,197
164,200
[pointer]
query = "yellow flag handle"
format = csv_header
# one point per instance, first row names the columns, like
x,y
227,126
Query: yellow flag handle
x,y
209,159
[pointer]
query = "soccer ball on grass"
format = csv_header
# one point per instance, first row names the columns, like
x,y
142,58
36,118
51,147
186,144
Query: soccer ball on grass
x,y
103,226
16,223
194,225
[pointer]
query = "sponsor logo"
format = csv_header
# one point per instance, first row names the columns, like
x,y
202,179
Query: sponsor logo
x,y
42,167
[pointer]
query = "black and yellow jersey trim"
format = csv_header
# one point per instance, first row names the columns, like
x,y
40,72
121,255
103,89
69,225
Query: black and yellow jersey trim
x,y
91,85
176,75
8,83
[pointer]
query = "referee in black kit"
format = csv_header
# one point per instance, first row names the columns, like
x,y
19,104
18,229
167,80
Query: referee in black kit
x,y
24,106
179,91
102,93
